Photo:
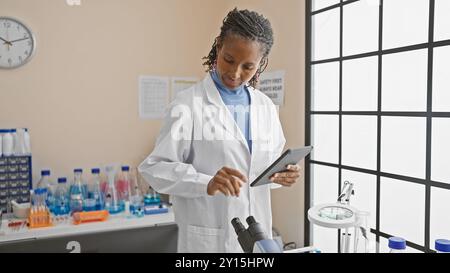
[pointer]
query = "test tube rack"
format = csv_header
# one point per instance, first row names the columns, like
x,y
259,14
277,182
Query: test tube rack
x,y
40,219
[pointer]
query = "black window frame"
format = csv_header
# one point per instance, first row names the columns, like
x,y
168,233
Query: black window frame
x,y
429,115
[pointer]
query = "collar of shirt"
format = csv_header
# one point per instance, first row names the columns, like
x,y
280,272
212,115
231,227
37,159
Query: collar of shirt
x,y
238,92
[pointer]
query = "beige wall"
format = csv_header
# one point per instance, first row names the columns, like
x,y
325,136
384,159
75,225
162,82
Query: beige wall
x,y
79,97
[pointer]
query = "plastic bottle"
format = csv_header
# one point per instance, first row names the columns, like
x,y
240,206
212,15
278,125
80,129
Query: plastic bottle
x,y
111,197
95,200
61,200
442,246
15,142
136,200
123,186
77,192
397,245
19,141
45,183
8,143
2,132
27,141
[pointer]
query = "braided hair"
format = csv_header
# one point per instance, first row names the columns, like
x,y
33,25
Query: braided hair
x,y
248,25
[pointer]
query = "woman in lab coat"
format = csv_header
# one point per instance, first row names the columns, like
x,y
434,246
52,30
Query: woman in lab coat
x,y
218,136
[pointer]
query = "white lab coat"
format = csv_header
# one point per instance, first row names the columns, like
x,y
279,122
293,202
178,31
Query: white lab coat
x,y
184,167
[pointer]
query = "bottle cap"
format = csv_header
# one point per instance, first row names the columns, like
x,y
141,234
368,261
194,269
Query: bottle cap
x,y
397,243
45,172
62,180
78,170
125,168
442,245
95,171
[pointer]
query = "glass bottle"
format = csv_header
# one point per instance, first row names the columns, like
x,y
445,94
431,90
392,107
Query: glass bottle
x,y
77,192
442,246
397,245
61,200
95,196
45,183
111,197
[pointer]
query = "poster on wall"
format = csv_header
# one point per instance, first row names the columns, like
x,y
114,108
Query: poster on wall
x,y
272,84
182,83
153,96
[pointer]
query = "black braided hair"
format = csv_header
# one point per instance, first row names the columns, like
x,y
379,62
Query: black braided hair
x,y
248,25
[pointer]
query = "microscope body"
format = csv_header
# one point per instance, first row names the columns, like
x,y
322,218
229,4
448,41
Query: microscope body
x,y
254,239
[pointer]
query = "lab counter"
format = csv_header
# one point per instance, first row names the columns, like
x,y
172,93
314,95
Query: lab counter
x,y
152,233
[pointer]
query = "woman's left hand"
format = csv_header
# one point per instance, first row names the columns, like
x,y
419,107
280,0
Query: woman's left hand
x,y
288,177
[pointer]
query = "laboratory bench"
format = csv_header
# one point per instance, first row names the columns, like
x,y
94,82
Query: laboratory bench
x,y
155,233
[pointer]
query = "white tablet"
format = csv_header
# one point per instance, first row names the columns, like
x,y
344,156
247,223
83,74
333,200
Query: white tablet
x,y
289,157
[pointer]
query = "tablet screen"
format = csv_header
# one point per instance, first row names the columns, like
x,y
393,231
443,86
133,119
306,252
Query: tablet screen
x,y
289,157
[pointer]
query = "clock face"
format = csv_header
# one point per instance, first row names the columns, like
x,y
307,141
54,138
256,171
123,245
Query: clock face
x,y
17,43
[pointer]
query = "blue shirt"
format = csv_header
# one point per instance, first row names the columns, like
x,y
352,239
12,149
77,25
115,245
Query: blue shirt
x,y
238,102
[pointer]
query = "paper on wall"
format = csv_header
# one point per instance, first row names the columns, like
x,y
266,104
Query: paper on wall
x,y
182,83
153,96
272,84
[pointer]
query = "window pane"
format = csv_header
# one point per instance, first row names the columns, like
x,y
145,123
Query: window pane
x,y
324,189
441,21
440,150
441,80
363,200
359,141
402,210
325,239
320,4
360,84
405,22
325,138
324,185
361,27
405,81
325,35
365,186
325,87
403,145
439,221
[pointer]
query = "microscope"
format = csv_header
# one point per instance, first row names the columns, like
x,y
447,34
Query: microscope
x,y
254,239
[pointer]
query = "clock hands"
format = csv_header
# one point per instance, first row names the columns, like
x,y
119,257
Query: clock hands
x,y
19,40
10,43
6,42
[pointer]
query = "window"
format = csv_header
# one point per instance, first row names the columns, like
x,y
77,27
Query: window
x,y
378,115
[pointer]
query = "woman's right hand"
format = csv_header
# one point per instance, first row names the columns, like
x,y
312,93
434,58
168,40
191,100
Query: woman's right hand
x,y
227,181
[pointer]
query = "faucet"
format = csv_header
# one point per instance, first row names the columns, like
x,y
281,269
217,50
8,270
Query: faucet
x,y
346,192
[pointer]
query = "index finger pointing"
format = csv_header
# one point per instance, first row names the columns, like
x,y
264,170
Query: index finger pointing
x,y
293,167
236,173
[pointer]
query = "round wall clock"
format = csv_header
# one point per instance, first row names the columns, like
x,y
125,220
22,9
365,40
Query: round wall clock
x,y
17,43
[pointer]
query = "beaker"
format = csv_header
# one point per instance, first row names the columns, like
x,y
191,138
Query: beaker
x,y
362,231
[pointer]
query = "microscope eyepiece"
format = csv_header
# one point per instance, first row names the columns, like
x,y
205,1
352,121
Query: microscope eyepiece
x,y
238,226
251,220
